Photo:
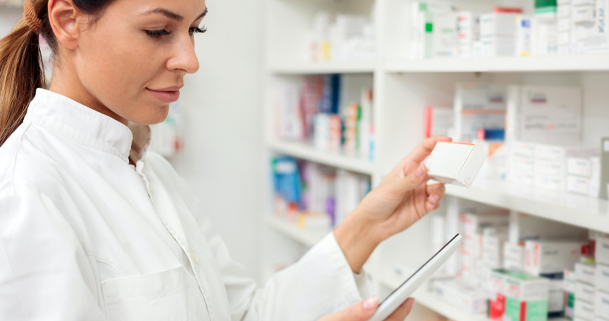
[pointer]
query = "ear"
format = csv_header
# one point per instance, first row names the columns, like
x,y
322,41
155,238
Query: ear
x,y
67,22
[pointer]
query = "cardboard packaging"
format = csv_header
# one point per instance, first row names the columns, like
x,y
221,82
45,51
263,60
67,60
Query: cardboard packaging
x,y
585,292
467,298
602,250
495,288
526,297
569,298
601,304
455,163
551,257
601,277
585,272
584,310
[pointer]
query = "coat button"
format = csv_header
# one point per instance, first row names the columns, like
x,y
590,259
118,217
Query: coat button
x,y
194,256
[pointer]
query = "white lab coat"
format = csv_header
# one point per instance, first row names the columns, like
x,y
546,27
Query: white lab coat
x,y
86,236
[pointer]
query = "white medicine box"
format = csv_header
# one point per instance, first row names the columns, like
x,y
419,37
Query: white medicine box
x,y
455,163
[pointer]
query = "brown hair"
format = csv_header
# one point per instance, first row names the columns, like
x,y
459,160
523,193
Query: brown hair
x,y
21,67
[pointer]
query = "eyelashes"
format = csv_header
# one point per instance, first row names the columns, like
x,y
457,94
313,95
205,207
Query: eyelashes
x,y
194,30
158,34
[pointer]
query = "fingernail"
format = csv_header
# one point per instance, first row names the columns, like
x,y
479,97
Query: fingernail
x,y
371,303
411,304
435,198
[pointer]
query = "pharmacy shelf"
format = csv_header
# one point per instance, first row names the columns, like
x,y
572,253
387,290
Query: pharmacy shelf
x,y
323,67
578,210
428,299
558,63
335,159
293,232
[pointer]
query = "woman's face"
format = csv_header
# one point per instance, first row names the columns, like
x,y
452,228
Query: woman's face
x,y
132,60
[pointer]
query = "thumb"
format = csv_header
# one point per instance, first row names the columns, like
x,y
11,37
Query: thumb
x,y
360,311
412,180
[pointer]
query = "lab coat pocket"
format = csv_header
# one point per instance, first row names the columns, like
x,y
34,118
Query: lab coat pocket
x,y
169,296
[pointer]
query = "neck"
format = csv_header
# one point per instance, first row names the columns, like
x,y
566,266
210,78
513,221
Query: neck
x,y
66,83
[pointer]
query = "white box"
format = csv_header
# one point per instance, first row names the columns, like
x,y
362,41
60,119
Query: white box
x,y
583,14
584,310
552,183
601,277
524,149
524,164
578,184
585,292
476,223
550,168
513,251
498,24
579,166
570,280
602,250
467,298
576,3
455,163
601,304
521,178
550,257
585,272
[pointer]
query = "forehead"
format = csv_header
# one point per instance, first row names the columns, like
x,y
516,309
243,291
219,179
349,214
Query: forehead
x,y
188,9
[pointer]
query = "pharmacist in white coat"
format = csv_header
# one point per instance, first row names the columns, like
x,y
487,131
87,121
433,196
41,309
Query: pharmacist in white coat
x,y
94,227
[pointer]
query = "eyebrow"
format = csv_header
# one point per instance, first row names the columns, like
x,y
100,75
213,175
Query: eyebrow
x,y
172,15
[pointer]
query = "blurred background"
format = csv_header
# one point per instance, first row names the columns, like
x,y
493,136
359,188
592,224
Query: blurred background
x,y
301,107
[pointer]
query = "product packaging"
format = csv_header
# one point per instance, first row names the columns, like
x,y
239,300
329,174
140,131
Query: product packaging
x,y
455,163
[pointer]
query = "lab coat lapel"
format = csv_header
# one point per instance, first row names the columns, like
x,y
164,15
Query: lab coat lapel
x,y
167,212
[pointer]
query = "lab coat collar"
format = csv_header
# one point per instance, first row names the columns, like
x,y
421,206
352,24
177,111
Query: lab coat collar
x,y
84,125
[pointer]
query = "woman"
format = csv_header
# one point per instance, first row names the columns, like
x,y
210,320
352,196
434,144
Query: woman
x,y
92,227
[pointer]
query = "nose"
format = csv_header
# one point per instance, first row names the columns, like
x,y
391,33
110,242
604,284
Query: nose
x,y
185,57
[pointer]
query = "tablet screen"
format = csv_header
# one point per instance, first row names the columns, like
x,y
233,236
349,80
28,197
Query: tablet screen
x,y
413,274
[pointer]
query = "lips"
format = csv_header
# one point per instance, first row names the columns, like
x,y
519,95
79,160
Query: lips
x,y
167,95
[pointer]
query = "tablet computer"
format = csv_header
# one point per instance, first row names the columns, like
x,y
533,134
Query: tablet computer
x,y
405,290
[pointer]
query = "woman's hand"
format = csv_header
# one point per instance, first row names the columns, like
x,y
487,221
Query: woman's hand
x,y
362,311
401,199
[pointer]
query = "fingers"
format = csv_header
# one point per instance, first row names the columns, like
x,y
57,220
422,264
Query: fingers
x,y
425,148
412,180
360,311
436,193
402,311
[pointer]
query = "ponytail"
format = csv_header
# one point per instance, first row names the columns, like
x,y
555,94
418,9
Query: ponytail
x,y
21,72
21,67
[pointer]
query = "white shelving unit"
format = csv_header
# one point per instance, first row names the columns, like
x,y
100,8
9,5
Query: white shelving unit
x,y
402,89
310,153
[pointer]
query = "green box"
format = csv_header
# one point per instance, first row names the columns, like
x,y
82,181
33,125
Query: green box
x,y
526,297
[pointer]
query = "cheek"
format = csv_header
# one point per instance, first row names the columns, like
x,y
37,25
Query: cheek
x,y
116,68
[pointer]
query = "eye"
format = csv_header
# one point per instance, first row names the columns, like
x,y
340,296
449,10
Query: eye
x,y
194,30
157,34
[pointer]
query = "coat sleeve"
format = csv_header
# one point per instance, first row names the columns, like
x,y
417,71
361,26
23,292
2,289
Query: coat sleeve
x,y
44,271
320,283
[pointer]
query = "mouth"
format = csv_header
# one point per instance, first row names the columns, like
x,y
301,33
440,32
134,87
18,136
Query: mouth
x,y
167,95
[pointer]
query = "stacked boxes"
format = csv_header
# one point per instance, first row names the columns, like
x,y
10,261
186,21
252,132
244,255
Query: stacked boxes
x,y
601,279
498,34
584,173
482,250
555,167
